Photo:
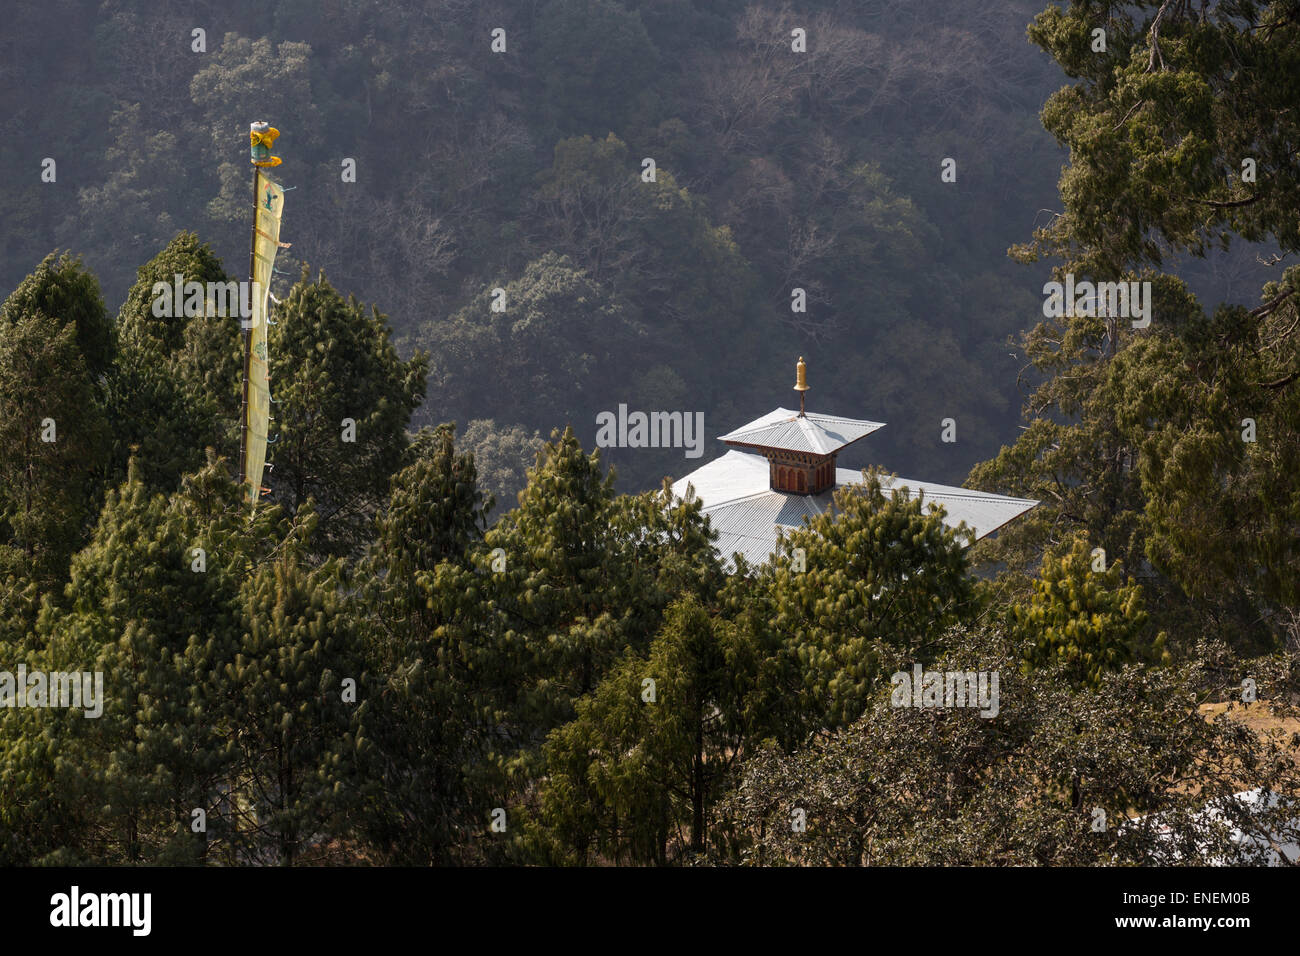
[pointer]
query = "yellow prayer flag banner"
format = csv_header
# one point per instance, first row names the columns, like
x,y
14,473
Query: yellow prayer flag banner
x,y
270,205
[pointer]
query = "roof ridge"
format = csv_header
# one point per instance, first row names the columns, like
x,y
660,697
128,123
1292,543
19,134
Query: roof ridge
x,y
967,494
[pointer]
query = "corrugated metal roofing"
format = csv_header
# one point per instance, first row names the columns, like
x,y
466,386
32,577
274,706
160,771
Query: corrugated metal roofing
x,y
816,433
751,524
747,514
1264,849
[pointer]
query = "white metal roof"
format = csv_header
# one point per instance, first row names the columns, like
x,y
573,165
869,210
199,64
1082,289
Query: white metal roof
x,y
816,433
747,514
1262,849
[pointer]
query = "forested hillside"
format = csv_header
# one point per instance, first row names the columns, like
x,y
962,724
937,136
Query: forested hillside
x,y
457,636
522,171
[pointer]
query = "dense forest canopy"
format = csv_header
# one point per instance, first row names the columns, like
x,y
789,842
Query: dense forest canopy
x,y
522,171
460,635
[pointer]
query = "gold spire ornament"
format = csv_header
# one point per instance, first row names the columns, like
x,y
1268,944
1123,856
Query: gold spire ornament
x,y
801,383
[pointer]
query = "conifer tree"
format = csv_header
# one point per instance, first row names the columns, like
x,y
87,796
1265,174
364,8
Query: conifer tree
x,y
1086,620
175,389
296,690
1159,129
570,593
676,538
52,446
634,777
1179,143
426,726
66,291
343,401
1211,412
56,347
880,572
152,604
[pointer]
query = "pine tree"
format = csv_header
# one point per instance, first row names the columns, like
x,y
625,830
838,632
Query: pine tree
x,y
1087,621
570,593
296,691
152,604
175,388
638,770
52,446
426,726
881,573
66,291
56,347
343,401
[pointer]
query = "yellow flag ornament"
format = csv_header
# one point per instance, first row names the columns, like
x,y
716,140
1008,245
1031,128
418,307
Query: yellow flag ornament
x,y
255,414
261,140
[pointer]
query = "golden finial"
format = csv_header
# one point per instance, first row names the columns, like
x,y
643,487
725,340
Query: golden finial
x,y
261,140
801,383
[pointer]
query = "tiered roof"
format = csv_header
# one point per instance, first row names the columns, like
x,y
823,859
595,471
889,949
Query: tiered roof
x,y
814,433
747,514
742,492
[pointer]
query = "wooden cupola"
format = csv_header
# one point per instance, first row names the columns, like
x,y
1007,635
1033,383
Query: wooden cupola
x,y
800,447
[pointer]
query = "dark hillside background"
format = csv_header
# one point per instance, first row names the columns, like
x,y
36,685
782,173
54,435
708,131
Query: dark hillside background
x,y
521,171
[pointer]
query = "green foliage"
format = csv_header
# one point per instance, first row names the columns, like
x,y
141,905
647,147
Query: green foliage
x,y
925,787
56,346
1084,620
635,776
504,667
160,632
882,572
67,292
1079,453
52,444
138,324
331,361
1222,510
175,389
296,773
571,592
577,577
425,728
1159,126
1140,439
221,689
435,511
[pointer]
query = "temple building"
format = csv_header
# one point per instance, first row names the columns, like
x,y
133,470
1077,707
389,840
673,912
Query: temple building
x,y
783,468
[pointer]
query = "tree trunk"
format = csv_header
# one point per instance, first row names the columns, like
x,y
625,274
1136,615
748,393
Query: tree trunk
x,y
697,791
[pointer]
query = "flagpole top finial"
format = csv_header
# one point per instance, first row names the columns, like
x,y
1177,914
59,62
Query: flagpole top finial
x,y
261,140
